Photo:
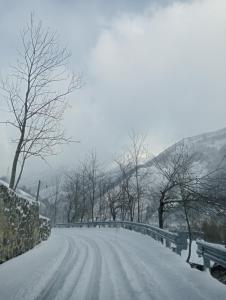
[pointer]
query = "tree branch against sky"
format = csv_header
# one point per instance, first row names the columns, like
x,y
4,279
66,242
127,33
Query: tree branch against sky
x,y
36,93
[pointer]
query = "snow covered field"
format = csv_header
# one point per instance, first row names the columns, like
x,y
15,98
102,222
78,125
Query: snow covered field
x,y
104,264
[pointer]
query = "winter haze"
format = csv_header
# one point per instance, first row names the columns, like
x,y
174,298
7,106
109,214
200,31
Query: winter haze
x,y
154,66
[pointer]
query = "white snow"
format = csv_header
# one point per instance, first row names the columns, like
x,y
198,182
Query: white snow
x,y
43,217
4,183
194,256
212,245
20,193
100,263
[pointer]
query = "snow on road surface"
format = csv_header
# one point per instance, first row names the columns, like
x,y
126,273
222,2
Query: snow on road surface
x,y
95,263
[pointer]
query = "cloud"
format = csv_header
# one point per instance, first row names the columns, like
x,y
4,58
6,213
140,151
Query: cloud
x,y
158,69
163,71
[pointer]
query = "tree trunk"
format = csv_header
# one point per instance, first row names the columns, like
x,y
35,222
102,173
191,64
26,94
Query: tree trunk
x,y
131,216
20,174
161,209
138,195
92,212
14,166
21,140
55,211
160,215
189,235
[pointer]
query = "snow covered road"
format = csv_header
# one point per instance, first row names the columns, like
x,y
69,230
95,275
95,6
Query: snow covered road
x,y
104,264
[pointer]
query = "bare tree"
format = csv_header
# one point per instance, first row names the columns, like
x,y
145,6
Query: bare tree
x,y
84,191
56,197
182,188
170,166
36,95
113,199
127,195
198,197
137,154
109,198
103,186
92,169
72,188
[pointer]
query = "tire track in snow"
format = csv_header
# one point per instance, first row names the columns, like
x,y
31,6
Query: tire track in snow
x,y
119,274
140,254
135,276
109,289
94,280
158,268
57,281
74,277
139,272
89,281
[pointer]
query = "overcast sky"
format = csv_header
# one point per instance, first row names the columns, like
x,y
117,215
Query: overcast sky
x,y
157,67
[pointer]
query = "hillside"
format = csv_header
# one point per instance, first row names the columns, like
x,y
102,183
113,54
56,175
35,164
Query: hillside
x,y
208,149
208,154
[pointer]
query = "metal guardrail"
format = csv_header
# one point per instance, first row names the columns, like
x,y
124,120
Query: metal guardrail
x,y
176,241
194,234
211,252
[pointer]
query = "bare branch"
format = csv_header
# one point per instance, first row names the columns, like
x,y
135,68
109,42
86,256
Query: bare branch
x,y
35,96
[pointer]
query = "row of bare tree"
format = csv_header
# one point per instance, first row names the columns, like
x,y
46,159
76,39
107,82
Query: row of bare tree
x,y
36,93
171,185
187,188
95,194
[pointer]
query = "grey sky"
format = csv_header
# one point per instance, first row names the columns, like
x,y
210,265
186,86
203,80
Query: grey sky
x,y
158,67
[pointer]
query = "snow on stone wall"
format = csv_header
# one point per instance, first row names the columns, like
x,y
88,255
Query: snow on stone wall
x,y
45,228
21,228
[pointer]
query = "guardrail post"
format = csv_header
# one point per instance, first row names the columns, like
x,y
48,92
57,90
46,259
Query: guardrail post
x,y
206,263
178,249
181,243
167,243
211,252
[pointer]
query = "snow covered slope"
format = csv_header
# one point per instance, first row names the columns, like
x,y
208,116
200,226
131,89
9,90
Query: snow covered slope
x,y
208,151
209,148
104,264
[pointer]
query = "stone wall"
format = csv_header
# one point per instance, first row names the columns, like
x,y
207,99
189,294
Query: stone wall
x,y
45,228
21,228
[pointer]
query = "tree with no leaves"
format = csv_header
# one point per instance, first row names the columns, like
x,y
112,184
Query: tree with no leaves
x,y
92,171
127,185
183,188
137,152
170,167
36,96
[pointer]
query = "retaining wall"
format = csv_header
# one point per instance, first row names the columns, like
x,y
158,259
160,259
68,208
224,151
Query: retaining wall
x,y
21,227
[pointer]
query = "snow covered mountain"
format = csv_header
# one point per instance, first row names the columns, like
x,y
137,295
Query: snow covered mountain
x,y
208,149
